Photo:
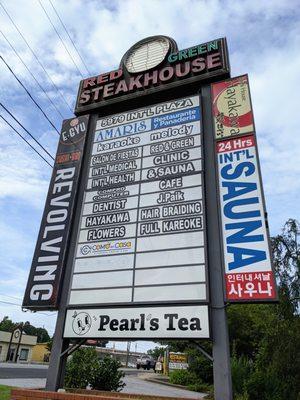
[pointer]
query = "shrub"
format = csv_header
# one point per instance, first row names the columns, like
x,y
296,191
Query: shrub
x,y
81,368
108,376
85,368
201,366
182,377
241,369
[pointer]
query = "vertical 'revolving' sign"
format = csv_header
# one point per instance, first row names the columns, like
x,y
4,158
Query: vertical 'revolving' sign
x,y
248,270
44,282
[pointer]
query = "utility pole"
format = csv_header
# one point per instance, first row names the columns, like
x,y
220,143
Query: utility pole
x,y
127,353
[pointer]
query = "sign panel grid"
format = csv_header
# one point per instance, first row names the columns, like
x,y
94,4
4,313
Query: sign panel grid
x,y
141,236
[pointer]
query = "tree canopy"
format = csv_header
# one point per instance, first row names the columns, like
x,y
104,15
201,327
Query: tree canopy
x,y
8,325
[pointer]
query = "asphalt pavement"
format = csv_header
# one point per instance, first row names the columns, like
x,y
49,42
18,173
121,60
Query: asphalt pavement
x,y
26,371
34,376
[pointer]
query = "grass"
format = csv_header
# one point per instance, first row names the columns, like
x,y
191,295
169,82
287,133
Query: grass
x,y
4,392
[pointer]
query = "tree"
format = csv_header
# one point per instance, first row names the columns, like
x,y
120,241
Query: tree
x,y
156,352
7,325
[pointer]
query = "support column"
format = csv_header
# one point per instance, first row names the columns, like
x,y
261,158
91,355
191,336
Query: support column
x,y
221,351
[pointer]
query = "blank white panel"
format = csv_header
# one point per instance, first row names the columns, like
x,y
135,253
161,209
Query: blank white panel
x,y
171,293
174,241
100,296
104,263
102,279
190,274
171,257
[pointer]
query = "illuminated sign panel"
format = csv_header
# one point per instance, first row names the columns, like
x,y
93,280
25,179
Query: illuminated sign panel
x,y
141,236
181,67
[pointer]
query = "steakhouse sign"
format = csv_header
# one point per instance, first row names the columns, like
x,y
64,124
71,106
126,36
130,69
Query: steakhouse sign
x,y
122,250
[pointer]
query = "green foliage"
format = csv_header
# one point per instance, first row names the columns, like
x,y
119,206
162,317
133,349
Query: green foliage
x,y
182,377
241,369
156,352
8,325
85,368
190,379
264,338
108,376
82,368
200,365
199,387
4,392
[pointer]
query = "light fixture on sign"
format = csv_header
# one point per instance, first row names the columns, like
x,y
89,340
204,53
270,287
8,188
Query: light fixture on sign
x,y
147,54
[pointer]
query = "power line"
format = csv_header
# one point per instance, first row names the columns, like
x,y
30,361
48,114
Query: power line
x,y
22,126
60,38
11,297
29,94
35,56
66,30
20,305
28,69
1,116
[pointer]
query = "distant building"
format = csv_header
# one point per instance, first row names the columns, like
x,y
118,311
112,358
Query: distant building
x,y
40,353
16,346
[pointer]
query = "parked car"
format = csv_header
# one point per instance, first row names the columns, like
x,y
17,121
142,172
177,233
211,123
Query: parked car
x,y
145,362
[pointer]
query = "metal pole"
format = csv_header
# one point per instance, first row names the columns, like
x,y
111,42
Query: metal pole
x,y
127,353
221,352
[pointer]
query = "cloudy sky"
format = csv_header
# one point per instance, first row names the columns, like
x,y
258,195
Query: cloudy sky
x,y
263,39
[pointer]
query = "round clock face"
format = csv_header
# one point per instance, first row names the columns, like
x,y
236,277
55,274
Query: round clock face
x,y
147,55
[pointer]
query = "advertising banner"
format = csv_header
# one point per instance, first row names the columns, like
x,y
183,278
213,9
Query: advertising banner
x,y
43,286
232,110
138,323
178,361
248,269
141,237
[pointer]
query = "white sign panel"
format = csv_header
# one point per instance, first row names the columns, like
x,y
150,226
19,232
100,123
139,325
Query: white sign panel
x,y
137,323
141,237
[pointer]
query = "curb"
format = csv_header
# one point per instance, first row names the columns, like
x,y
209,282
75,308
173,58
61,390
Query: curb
x,y
153,380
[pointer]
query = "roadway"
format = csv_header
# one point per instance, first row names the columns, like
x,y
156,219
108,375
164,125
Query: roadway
x,y
34,376
27,371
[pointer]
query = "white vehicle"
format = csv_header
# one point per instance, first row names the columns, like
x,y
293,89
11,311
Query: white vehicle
x,y
145,362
